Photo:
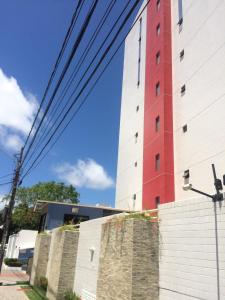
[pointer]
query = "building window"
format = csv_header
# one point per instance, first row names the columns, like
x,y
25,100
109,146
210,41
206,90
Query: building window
x,y
158,30
157,5
180,15
157,162
136,137
157,124
139,52
157,201
135,164
185,128
157,89
137,108
158,58
134,199
181,55
183,89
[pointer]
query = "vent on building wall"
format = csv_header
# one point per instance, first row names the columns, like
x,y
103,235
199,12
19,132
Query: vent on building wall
x,y
157,162
157,124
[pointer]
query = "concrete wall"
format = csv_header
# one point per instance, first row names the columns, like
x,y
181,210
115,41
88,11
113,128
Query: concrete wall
x,y
192,250
202,107
40,259
129,176
128,267
62,262
24,239
86,273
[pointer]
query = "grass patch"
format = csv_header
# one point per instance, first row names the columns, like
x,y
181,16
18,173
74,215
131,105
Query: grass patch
x,y
35,293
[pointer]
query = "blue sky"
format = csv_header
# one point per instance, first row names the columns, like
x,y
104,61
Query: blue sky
x,y
31,33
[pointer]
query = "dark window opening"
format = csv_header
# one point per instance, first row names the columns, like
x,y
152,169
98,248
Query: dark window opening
x,y
135,164
183,89
158,30
181,55
157,124
157,5
74,219
186,176
157,162
158,58
185,128
157,201
136,137
157,89
137,108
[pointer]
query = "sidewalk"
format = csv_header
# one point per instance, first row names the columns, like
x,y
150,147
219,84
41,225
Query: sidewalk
x,y
12,293
12,276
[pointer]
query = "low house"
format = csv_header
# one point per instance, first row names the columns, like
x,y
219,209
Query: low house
x,y
56,214
21,244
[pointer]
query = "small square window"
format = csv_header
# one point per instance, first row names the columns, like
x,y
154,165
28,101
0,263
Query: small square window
x,y
157,162
158,30
135,164
157,124
158,58
157,201
157,5
157,89
181,55
137,108
183,89
185,128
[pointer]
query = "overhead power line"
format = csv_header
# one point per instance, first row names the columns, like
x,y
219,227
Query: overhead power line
x,y
68,62
62,95
62,50
90,77
44,136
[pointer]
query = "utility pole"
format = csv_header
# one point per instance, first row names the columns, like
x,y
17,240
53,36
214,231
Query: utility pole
x,y
15,184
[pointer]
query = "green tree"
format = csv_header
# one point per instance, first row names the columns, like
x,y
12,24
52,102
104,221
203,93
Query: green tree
x,y
24,217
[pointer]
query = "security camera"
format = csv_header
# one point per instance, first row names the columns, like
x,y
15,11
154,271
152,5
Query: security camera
x,y
187,187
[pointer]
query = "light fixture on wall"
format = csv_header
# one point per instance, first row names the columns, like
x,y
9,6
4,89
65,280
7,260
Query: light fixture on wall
x,y
92,252
217,183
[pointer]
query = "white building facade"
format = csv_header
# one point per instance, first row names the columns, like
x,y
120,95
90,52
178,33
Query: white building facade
x,y
173,103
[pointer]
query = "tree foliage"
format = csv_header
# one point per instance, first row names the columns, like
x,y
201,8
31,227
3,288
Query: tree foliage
x,y
24,217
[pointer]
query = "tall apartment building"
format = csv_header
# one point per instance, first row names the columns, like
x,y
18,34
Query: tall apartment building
x,y
173,103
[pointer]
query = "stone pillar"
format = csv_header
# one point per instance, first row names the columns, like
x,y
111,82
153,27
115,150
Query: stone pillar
x,y
128,266
62,263
40,259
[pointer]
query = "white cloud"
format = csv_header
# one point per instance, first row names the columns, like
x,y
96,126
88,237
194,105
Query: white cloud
x,y
16,112
88,174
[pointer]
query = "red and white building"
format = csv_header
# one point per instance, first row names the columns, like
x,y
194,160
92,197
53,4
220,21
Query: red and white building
x,y
173,102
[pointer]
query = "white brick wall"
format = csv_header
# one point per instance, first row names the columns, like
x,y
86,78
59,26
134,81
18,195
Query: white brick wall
x,y
188,264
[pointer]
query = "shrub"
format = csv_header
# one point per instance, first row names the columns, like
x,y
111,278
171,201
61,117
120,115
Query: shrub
x,y
70,295
12,262
43,282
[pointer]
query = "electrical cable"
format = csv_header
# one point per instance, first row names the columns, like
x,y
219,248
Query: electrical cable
x,y
62,50
38,156
93,59
73,75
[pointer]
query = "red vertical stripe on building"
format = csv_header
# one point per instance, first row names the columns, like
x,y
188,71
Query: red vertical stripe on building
x,y
158,183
